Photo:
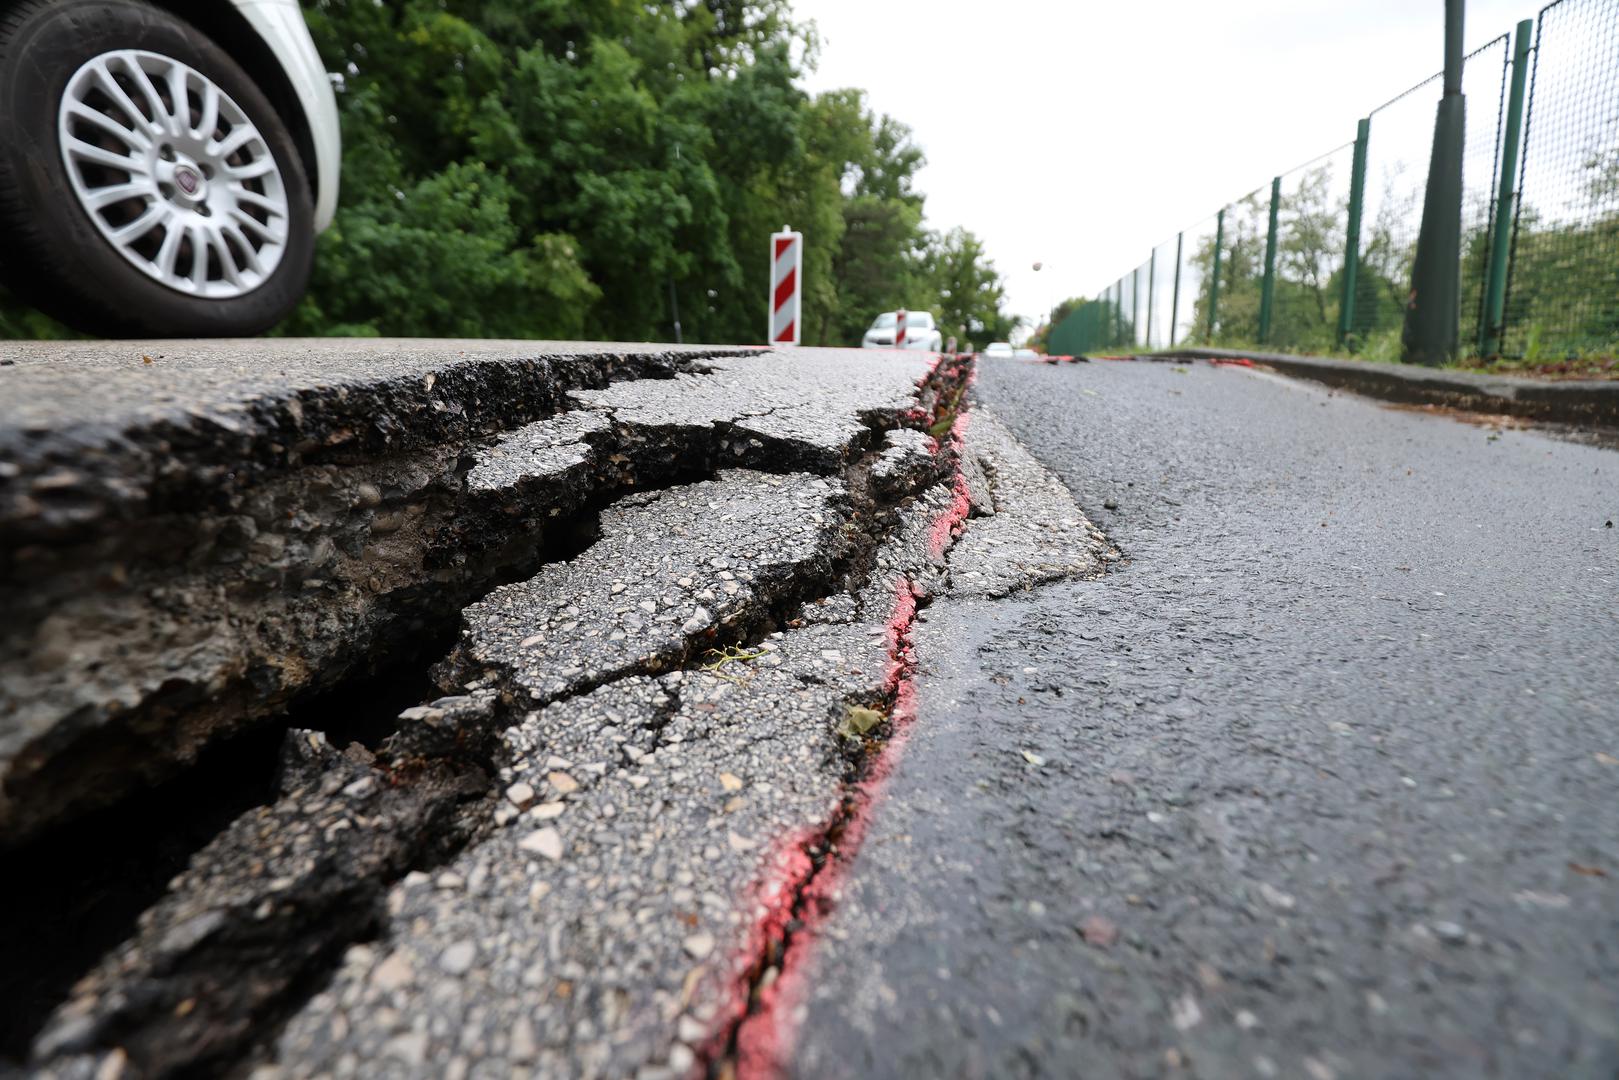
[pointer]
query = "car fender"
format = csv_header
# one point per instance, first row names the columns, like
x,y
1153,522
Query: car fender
x,y
281,25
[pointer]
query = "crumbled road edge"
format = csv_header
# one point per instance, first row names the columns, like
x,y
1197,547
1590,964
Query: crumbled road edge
x,y
609,831
177,575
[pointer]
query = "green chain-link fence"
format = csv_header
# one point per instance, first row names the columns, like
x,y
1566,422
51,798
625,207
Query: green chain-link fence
x,y
1320,259
1563,280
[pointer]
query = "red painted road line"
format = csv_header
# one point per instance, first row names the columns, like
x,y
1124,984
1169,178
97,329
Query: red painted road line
x,y
795,896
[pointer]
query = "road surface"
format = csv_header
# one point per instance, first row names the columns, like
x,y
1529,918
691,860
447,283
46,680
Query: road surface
x,y
1322,781
420,709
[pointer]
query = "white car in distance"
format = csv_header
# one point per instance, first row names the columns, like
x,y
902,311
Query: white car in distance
x,y
999,350
920,332
165,165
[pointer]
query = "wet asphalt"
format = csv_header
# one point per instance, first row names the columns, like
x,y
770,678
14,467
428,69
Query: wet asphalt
x,y
1322,781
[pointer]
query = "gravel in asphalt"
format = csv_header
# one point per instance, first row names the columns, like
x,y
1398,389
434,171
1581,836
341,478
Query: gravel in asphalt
x,y
1322,781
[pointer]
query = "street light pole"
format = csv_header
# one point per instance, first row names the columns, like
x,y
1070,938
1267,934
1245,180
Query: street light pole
x,y
1433,308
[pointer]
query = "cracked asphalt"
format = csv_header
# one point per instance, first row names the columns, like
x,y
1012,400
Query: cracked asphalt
x,y
780,737
582,853
1321,781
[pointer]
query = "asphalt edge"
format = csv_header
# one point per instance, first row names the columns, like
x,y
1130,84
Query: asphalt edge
x,y
1581,403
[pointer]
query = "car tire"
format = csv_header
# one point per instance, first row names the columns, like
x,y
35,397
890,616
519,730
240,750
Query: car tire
x,y
192,240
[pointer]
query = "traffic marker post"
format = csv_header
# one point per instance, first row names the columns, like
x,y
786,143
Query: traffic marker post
x,y
899,329
786,286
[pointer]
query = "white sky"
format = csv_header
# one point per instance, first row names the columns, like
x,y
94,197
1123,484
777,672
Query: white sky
x,y
1083,133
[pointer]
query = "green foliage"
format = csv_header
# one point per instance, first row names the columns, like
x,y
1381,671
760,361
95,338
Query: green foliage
x,y
1564,299
542,168
968,296
17,321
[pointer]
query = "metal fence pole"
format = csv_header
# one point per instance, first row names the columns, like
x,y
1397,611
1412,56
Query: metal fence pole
x,y
1124,324
1135,304
1433,314
1118,313
1357,199
1495,295
1152,273
1267,288
1214,279
1175,296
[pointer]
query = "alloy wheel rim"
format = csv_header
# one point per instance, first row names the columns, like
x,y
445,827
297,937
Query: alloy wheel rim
x,y
173,174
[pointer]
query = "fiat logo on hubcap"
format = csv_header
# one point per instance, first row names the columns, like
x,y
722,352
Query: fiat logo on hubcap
x,y
187,180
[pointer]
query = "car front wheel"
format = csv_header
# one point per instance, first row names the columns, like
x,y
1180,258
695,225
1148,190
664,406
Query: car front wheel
x,y
147,186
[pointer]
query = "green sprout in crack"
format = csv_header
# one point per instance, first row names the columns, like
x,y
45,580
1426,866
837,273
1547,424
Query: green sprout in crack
x,y
718,658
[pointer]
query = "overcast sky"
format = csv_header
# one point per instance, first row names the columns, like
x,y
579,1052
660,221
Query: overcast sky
x,y
1081,134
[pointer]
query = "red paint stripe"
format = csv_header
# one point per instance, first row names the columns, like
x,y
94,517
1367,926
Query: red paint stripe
x,y
765,1035
787,332
782,244
785,287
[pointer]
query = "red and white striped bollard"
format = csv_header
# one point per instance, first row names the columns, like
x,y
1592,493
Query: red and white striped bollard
x,y
786,286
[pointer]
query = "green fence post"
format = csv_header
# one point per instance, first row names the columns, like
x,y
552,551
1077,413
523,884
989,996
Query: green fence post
x,y
1118,313
1175,296
1433,313
1357,199
1124,324
1135,304
1152,273
1495,295
1214,279
1267,287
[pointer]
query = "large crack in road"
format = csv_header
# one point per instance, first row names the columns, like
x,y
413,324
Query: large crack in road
x,y
724,732
682,672
162,600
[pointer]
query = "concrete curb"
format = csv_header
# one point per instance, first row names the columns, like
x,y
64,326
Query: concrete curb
x,y
1585,403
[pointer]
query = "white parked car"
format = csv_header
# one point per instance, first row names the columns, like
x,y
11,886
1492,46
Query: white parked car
x,y
920,332
999,350
165,165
